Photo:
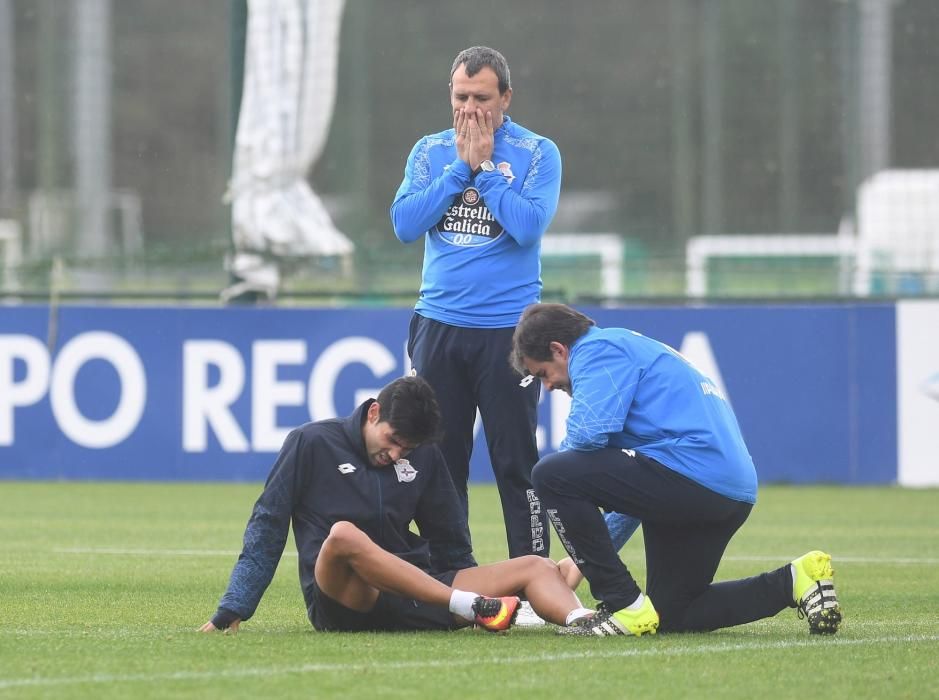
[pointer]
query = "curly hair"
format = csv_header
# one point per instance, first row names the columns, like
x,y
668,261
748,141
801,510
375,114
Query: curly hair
x,y
409,406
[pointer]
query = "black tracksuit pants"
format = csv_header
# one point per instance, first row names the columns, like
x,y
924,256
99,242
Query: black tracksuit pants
x,y
469,368
686,528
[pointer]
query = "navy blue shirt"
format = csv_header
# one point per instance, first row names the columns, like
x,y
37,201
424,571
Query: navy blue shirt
x,y
322,476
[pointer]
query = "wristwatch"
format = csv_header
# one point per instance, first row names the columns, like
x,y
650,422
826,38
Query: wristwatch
x,y
487,166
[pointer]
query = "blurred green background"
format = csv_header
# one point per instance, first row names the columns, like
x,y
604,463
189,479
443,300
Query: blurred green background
x,y
674,119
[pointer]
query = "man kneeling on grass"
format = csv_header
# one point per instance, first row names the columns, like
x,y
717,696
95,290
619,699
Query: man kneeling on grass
x,y
351,487
652,439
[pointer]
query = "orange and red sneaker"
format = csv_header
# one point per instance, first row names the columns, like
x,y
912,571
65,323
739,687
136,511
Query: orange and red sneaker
x,y
496,614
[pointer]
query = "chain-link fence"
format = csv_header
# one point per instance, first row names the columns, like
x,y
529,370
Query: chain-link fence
x,y
711,148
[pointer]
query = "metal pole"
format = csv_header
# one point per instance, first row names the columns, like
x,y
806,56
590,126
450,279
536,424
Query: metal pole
x,y
51,89
683,155
237,34
789,115
238,27
713,117
850,103
874,60
358,133
8,149
92,126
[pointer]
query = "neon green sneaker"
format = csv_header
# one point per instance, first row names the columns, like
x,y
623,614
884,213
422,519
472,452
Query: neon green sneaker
x,y
604,623
813,592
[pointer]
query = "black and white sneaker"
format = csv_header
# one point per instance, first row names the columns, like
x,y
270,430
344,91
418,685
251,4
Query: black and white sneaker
x,y
813,590
606,623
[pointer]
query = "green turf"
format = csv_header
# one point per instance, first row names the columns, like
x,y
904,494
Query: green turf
x,y
103,585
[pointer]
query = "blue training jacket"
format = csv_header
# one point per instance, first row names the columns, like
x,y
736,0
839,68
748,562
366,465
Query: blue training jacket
x,y
482,249
633,392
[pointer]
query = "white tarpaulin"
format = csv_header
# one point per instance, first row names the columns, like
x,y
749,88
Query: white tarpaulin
x,y
291,54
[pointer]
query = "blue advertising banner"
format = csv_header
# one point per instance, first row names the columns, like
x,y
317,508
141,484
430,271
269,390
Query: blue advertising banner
x,y
210,394
813,387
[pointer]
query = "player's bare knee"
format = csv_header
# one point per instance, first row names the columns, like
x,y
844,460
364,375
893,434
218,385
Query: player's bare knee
x,y
546,566
344,539
538,566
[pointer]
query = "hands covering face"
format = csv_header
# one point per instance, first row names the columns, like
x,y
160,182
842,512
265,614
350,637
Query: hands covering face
x,y
474,135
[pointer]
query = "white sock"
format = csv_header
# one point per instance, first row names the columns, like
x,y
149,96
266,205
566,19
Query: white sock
x,y
637,603
461,603
576,614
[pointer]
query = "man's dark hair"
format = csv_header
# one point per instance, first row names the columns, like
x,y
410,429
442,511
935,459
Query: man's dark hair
x,y
410,407
542,324
476,58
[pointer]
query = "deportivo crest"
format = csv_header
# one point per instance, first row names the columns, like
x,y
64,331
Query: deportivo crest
x,y
468,221
470,196
405,471
506,169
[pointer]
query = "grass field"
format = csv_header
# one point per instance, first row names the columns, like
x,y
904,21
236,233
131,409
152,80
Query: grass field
x,y
103,585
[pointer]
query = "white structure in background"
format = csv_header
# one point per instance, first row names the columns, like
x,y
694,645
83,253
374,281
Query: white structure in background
x,y
11,253
894,250
700,250
291,58
898,233
52,213
608,246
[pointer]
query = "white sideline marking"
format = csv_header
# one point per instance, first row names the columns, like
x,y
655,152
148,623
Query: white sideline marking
x,y
346,667
287,553
868,626
155,552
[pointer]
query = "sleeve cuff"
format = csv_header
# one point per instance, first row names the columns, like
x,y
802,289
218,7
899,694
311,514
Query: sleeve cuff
x,y
461,168
223,619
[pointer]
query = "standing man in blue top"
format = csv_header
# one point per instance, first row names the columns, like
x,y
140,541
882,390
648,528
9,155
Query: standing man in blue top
x,y
481,194
651,437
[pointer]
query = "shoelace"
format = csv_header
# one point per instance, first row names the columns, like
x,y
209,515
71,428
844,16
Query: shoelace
x,y
487,607
602,615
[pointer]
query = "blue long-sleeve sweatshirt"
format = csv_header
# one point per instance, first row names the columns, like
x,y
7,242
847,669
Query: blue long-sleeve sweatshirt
x,y
633,392
482,248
